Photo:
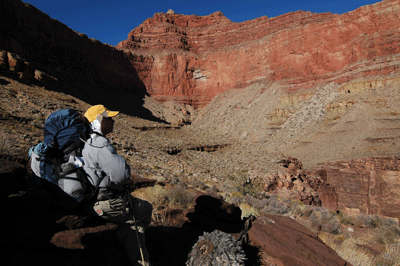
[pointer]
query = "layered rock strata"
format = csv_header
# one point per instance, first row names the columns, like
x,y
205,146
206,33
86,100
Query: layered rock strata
x,y
368,186
192,59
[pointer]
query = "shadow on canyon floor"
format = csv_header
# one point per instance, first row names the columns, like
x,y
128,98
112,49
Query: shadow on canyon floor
x,y
126,100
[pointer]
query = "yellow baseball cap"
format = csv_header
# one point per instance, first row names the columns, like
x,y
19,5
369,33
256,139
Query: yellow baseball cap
x,y
99,109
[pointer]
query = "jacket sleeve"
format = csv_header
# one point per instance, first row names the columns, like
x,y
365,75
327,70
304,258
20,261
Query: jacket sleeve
x,y
35,164
114,166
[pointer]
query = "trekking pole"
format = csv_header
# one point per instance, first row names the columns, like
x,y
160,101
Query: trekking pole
x,y
136,227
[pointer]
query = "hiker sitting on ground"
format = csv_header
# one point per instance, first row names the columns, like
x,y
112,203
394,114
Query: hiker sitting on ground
x,y
100,158
107,172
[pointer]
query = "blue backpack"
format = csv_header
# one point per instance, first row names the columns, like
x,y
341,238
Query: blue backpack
x,y
64,131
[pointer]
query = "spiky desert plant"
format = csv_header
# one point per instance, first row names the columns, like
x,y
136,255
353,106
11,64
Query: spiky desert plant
x,y
217,249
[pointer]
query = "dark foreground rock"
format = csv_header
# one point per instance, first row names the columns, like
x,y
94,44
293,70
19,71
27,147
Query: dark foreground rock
x,y
40,233
34,230
11,177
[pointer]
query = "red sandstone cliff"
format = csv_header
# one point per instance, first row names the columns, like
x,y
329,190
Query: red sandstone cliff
x,y
193,58
369,185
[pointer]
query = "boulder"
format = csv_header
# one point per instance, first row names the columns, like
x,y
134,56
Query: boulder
x,y
283,241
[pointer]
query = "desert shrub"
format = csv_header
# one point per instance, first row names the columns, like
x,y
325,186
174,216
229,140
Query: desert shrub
x,y
249,189
351,251
254,202
390,257
216,248
324,220
165,199
244,185
271,205
386,234
274,206
238,199
390,222
345,219
298,208
361,220
332,226
178,197
308,210
368,221
383,226
247,210
375,221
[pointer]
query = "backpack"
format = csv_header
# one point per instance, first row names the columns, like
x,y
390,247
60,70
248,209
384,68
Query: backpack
x,y
60,162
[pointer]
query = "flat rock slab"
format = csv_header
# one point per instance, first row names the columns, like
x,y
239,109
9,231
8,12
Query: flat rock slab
x,y
283,241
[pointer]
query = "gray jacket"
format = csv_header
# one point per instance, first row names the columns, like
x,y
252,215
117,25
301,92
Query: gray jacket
x,y
101,159
100,162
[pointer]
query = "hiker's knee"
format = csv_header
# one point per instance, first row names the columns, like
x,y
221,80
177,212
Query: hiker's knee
x,y
142,211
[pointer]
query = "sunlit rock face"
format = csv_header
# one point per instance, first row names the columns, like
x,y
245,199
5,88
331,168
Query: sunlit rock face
x,y
192,58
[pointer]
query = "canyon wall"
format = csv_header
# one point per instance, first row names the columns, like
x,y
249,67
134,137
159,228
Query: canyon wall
x,y
192,59
83,67
368,186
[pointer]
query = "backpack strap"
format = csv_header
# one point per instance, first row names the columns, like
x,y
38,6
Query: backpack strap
x,y
96,188
73,147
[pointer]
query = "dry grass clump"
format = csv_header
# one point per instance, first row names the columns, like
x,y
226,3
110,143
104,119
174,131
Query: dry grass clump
x,y
385,234
165,199
390,257
380,232
247,210
350,249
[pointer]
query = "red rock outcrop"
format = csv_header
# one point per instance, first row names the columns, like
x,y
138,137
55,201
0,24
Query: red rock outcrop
x,y
193,58
286,242
366,185
293,182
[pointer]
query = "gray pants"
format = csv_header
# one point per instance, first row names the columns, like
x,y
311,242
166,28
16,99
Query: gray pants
x,y
114,210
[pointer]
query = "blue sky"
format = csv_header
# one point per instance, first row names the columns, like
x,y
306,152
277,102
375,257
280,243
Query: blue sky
x,y
110,21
